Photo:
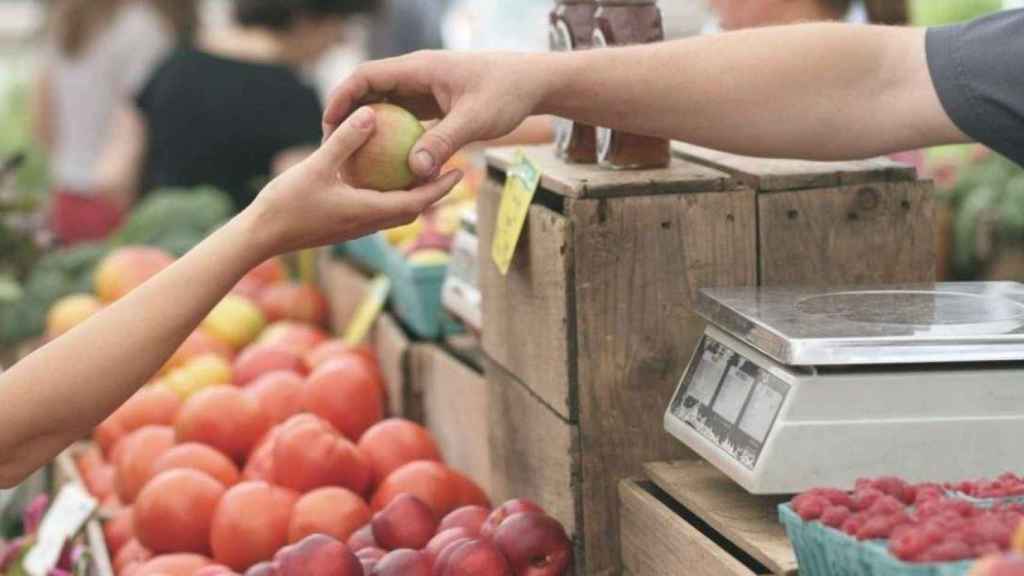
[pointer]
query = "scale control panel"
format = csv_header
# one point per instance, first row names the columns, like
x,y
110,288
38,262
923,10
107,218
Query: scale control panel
x,y
728,400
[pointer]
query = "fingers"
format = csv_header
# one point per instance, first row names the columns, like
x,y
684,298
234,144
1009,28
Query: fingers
x,y
442,141
366,84
413,202
353,133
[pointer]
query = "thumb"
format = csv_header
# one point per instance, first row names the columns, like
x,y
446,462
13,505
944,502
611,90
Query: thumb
x,y
441,142
353,133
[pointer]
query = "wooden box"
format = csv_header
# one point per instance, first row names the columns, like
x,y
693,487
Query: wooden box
x,y
688,518
592,326
835,223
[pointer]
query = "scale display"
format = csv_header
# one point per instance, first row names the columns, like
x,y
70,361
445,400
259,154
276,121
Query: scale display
x,y
730,401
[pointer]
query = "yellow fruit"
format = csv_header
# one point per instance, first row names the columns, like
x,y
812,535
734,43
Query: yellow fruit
x,y
235,321
400,235
448,219
69,312
197,375
429,258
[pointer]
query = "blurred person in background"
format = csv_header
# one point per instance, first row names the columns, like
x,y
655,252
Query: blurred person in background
x,y
229,109
740,14
99,54
404,26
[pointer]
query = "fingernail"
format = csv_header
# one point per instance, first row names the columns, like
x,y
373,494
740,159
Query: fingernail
x,y
423,162
363,118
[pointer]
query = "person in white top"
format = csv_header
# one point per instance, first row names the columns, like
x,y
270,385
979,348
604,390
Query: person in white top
x,y
100,53
740,14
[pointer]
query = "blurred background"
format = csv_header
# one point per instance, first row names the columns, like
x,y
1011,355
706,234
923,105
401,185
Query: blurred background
x,y
152,121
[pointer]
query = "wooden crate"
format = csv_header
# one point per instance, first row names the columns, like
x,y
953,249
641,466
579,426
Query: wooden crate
x,y
594,324
688,518
65,472
835,223
455,408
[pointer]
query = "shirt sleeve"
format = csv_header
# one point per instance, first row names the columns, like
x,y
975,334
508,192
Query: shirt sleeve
x,y
978,72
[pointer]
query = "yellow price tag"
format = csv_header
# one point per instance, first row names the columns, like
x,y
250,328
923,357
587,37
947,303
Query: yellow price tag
x,y
367,311
520,186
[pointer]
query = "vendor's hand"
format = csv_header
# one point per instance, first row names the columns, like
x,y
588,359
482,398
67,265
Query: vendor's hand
x,y
311,205
475,96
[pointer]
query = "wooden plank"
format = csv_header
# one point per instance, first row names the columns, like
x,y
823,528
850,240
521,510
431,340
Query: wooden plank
x,y
751,522
392,347
848,235
343,285
455,410
658,542
527,325
534,452
592,181
772,174
639,264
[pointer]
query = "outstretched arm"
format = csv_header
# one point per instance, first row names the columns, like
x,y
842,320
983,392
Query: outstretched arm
x,y
815,91
58,394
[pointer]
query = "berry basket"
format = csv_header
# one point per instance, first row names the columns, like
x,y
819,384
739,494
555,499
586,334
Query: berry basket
x,y
370,252
824,551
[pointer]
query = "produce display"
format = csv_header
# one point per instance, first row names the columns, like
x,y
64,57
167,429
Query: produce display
x,y
263,447
73,558
929,523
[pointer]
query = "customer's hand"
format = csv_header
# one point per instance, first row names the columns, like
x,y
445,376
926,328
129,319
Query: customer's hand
x,y
311,205
475,96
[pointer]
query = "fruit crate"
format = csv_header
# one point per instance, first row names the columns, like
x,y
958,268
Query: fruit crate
x,y
65,472
415,288
824,551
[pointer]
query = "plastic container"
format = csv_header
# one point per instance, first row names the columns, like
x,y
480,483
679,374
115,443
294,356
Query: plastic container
x,y
370,252
824,551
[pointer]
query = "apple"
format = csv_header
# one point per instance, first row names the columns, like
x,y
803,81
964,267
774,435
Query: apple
x,y
404,523
504,511
471,518
441,560
404,562
317,555
382,163
535,544
477,558
263,569
444,538
362,539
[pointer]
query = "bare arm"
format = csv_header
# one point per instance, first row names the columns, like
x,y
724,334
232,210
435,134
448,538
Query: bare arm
x,y
815,91
58,394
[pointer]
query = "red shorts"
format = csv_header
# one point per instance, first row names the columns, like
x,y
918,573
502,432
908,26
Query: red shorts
x,y
78,218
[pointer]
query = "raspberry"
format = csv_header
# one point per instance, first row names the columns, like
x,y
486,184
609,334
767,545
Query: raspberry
x,y
880,527
864,498
853,524
927,492
810,508
895,487
835,516
910,543
885,506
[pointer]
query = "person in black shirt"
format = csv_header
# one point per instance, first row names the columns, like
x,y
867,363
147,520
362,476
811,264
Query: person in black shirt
x,y
224,112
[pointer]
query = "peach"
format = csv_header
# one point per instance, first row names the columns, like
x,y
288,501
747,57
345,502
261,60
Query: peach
x,y
135,459
260,359
279,394
250,524
382,163
431,482
477,558
132,553
236,321
405,523
119,530
196,456
317,555
126,268
347,394
404,562
534,544
222,417
333,511
309,453
393,443
215,570
198,343
172,565
470,518
174,511
295,302
302,338
69,312
150,406
507,509
442,560
1005,565
444,538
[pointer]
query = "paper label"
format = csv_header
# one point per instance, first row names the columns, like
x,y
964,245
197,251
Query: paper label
x,y
367,311
520,186
70,511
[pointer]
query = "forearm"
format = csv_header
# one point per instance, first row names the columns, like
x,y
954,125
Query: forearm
x,y
816,91
85,375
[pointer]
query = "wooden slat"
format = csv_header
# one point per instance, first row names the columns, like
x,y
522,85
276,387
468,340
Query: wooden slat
x,y
848,235
343,285
455,410
526,313
392,347
772,174
750,522
658,542
592,181
534,452
639,264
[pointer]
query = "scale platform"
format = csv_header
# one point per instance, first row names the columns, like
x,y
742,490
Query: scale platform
x,y
790,389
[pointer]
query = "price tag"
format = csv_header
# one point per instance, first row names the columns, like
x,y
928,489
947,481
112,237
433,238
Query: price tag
x,y
69,512
367,311
520,186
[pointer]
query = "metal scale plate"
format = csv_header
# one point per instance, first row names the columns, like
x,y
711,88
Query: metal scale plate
x,y
794,388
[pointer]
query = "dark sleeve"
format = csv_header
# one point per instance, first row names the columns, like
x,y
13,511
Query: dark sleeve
x,y
978,72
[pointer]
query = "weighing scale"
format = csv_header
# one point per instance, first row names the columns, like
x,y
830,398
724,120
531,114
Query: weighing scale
x,y
460,294
790,389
